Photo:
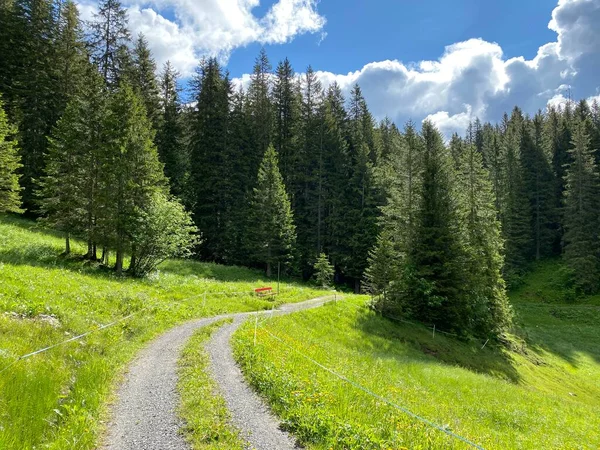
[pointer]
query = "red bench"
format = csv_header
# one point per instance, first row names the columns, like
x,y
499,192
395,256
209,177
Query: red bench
x,y
268,290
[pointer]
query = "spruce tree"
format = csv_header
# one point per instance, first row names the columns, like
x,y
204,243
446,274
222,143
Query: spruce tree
x,y
581,214
435,276
170,136
10,199
144,79
273,232
209,158
109,39
286,107
70,191
539,183
35,105
260,110
487,303
134,173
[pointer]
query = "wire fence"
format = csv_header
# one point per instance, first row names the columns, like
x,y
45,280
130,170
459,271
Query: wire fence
x,y
368,391
204,295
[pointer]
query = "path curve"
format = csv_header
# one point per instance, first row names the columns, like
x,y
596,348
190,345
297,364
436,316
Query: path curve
x,y
144,416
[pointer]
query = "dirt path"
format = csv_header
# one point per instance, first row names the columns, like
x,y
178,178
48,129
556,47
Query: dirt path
x,y
145,414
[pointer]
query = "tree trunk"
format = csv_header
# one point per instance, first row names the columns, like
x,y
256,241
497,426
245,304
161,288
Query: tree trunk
x,y
119,263
67,244
357,286
90,250
268,270
133,261
94,252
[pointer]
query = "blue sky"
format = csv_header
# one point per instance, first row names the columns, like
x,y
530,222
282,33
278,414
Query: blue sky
x,y
448,61
359,32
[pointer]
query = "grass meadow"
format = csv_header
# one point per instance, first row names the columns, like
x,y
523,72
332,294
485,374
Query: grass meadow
x,y
539,391
58,399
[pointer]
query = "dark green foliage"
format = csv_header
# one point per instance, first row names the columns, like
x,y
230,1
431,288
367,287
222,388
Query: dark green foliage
x,y
109,40
143,80
436,277
70,191
539,182
210,161
272,230
10,199
170,136
488,309
581,215
134,174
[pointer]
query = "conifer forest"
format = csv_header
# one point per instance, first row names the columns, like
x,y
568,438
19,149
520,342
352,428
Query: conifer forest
x,y
99,143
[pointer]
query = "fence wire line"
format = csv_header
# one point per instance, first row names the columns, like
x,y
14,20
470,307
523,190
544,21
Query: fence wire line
x,y
108,325
375,395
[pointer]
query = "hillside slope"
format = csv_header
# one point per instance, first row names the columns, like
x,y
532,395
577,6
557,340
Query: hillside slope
x,y
56,399
541,391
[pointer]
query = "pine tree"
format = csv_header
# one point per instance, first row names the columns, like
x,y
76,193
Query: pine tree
x,y
539,183
286,107
71,54
383,269
273,230
35,105
144,80
260,111
488,308
170,136
308,180
209,152
336,170
516,213
361,194
109,40
434,276
70,190
581,214
10,200
134,173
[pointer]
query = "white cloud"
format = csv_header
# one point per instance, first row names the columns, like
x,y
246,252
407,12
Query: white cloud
x,y
474,79
213,27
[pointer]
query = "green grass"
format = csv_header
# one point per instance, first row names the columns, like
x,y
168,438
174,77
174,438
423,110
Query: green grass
x,y
58,399
202,407
541,391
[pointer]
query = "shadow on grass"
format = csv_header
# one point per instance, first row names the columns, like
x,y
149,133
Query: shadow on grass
x,y
563,330
40,254
490,360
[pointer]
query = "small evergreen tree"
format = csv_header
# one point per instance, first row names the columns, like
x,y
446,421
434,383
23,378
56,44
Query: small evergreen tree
x,y
323,271
10,199
273,230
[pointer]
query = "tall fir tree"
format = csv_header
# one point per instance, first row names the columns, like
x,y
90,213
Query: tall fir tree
x,y
487,305
143,79
273,230
36,105
209,152
109,41
74,178
435,273
10,198
259,110
581,213
170,136
134,173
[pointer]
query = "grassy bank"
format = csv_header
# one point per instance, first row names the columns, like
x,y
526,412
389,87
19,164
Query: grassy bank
x,y
202,408
540,392
55,399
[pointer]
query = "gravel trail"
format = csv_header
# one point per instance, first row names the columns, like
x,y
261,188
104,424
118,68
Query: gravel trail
x,y
145,413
